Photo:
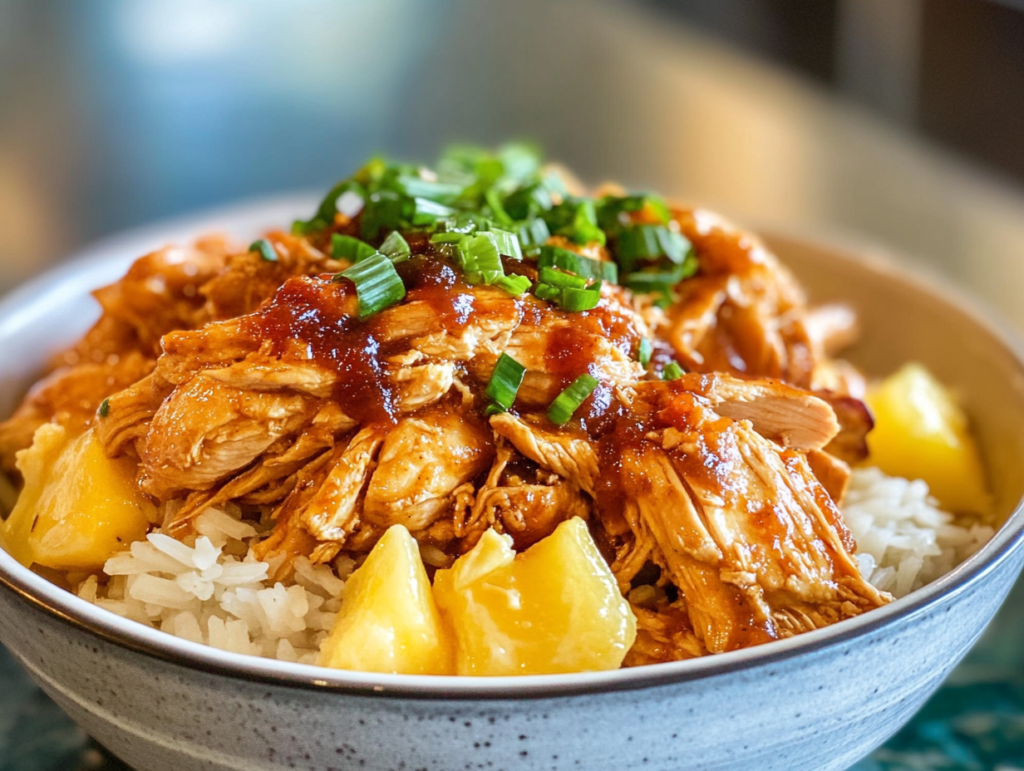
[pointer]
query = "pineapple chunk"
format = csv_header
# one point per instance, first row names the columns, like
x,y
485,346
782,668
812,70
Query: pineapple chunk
x,y
554,608
388,620
78,507
922,433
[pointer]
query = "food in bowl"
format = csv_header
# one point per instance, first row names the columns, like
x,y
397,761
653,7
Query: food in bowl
x,y
478,422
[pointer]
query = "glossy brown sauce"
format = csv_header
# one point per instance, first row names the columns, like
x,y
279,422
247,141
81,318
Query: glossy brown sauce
x,y
315,319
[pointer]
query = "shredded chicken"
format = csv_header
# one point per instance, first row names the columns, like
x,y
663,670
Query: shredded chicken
x,y
230,378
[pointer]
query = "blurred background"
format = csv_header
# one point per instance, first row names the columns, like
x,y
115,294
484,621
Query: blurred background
x,y
898,122
901,121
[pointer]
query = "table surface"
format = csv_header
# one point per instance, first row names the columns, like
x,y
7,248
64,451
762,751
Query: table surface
x,y
975,722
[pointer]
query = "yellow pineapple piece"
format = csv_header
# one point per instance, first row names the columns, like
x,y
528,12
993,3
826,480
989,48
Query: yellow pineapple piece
x,y
554,608
388,620
922,433
78,507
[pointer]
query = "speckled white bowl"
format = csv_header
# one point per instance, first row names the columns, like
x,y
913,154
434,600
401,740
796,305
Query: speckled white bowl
x,y
819,701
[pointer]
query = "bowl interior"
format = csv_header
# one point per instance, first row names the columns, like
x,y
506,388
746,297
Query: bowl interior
x,y
905,316
912,316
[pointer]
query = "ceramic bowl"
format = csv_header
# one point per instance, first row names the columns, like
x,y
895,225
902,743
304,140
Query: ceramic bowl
x,y
818,701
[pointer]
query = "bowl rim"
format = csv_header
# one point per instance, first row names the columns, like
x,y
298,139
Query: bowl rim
x,y
32,300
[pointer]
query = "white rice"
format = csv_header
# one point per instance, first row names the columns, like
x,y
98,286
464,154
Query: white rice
x,y
904,540
205,592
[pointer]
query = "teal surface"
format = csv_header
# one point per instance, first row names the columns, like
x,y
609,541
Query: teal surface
x,y
974,723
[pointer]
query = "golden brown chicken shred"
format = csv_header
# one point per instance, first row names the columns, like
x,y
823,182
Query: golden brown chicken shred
x,y
232,378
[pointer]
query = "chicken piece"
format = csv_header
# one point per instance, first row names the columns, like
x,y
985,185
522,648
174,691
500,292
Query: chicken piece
x,y
663,635
425,458
570,456
129,412
789,416
70,397
748,534
205,431
248,279
855,421
833,473
744,312
160,292
333,512
521,500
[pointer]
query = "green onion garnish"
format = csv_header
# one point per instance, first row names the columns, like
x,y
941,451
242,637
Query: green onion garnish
x,y
505,381
650,242
672,371
547,292
384,210
350,248
265,248
507,243
533,233
415,186
579,299
561,279
104,409
644,354
378,284
514,285
427,212
567,402
553,256
395,248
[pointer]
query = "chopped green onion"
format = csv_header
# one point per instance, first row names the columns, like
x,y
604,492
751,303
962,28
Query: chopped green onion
x,y
384,210
553,256
447,238
672,371
528,201
514,285
547,292
395,247
580,299
415,186
506,243
265,248
644,354
576,219
378,284
570,400
505,381
650,242
350,248
328,207
533,233
427,212
104,409
493,199
559,278
612,210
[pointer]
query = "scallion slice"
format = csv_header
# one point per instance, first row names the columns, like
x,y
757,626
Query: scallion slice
x,y
505,381
566,403
547,292
378,284
650,242
644,354
395,248
384,210
672,371
579,299
553,256
533,233
427,212
350,248
265,248
514,285
507,243
562,279
104,409
415,186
